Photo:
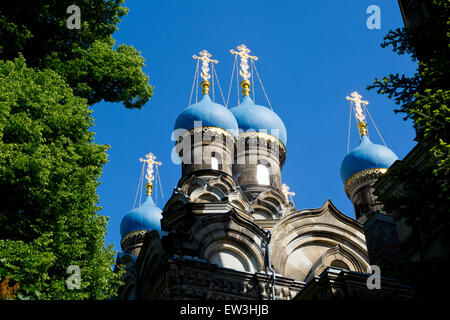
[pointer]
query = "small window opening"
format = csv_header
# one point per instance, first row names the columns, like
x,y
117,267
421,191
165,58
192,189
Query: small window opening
x,y
263,174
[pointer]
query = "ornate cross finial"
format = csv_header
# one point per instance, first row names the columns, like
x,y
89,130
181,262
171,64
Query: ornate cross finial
x,y
286,192
244,54
205,58
150,161
356,99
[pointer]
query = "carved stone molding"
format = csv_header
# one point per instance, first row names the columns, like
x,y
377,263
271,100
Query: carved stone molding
x,y
213,131
360,178
271,203
266,141
133,238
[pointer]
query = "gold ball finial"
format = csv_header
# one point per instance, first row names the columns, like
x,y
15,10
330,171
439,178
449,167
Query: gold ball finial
x,y
362,126
205,84
149,187
245,84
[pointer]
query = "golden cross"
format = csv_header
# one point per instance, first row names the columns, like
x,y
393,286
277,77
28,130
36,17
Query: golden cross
x,y
286,192
205,57
150,161
243,53
356,98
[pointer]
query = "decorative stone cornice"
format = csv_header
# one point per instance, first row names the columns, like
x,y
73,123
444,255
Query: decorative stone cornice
x,y
362,177
133,237
267,139
335,283
193,278
214,131
261,138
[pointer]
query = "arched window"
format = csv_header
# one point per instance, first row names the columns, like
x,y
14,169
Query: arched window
x,y
263,174
214,163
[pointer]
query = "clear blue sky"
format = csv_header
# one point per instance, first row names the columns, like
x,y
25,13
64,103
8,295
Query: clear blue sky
x,y
312,54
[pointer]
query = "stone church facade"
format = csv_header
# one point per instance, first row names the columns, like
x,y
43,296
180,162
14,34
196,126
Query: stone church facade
x,y
231,230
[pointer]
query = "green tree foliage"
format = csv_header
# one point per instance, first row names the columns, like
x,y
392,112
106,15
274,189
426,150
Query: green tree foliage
x,y
423,97
49,164
49,171
85,57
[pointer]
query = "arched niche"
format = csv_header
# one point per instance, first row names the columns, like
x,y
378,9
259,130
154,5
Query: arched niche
x,y
337,257
231,255
207,197
301,260
312,258
339,264
259,214
207,194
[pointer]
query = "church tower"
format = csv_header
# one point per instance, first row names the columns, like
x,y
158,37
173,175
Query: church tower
x,y
360,170
145,218
261,149
208,214
205,132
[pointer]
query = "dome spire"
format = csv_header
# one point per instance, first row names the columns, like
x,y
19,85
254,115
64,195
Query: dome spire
x,y
359,114
244,54
368,158
150,161
205,58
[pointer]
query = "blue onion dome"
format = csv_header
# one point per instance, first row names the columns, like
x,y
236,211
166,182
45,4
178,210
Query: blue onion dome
x,y
210,114
250,116
146,217
367,155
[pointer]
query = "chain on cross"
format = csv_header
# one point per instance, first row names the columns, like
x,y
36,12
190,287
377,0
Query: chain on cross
x,y
244,54
205,58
